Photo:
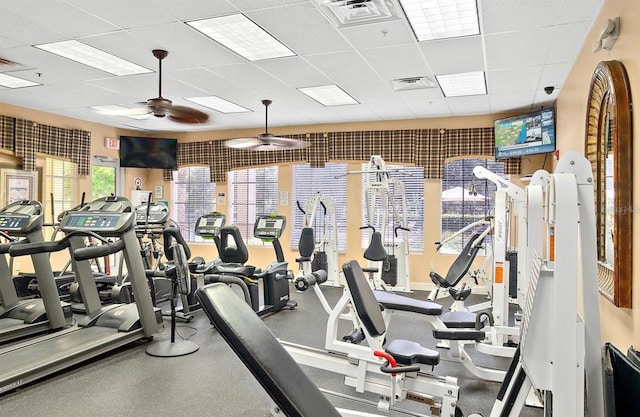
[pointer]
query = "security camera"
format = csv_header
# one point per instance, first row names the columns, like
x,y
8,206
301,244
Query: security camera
x,y
549,89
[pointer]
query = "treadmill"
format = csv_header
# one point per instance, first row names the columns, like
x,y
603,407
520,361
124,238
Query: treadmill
x,y
22,318
105,328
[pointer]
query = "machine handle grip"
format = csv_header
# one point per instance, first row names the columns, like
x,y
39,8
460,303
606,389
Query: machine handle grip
x,y
395,231
300,207
31,248
368,227
90,252
391,367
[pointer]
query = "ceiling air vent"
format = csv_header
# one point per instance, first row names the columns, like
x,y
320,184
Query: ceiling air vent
x,y
358,12
412,83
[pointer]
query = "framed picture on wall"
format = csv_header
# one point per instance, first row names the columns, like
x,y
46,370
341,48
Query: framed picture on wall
x,y
18,185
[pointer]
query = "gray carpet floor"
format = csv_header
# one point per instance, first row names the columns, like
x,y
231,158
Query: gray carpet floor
x,y
213,381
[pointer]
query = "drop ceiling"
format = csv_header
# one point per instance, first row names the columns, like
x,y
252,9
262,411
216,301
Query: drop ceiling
x,y
523,46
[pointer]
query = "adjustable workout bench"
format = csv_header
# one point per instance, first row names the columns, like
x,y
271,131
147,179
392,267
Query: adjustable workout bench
x,y
291,390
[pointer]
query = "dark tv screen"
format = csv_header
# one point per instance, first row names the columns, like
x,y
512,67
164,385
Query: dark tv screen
x,y
525,134
140,152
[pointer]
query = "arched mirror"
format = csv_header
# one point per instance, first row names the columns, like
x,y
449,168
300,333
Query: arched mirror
x,y
608,146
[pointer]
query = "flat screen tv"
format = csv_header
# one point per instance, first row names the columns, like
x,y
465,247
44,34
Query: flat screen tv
x,y
139,152
525,134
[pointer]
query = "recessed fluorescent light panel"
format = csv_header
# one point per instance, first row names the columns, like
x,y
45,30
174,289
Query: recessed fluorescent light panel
x,y
218,104
242,36
439,19
88,55
10,81
329,95
463,84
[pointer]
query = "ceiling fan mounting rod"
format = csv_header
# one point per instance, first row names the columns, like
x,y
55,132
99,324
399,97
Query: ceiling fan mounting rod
x,y
160,54
266,114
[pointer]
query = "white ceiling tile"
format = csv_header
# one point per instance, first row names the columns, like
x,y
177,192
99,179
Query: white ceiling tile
x,y
294,71
250,77
344,67
567,41
518,49
397,61
555,75
124,13
25,32
513,80
262,4
301,27
56,17
512,102
209,82
469,105
185,10
375,35
428,108
389,111
456,55
516,15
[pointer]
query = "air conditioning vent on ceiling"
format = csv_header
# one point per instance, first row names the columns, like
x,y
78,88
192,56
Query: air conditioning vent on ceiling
x,y
412,83
357,12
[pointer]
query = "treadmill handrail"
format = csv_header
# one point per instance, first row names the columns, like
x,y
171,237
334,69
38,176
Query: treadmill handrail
x,y
4,247
91,252
38,247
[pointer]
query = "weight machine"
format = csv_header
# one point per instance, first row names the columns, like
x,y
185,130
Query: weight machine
x,y
560,352
319,252
381,194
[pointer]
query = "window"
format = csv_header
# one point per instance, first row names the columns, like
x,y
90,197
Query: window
x,y
252,192
413,180
59,183
193,196
331,182
462,206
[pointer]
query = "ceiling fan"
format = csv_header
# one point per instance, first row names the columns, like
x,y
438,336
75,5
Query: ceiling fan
x,y
162,107
266,141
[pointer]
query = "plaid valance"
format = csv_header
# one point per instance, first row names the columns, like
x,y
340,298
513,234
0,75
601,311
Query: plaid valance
x,y
427,148
26,138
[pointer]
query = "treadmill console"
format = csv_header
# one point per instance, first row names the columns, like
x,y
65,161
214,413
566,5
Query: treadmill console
x,y
21,217
209,225
269,227
158,214
108,216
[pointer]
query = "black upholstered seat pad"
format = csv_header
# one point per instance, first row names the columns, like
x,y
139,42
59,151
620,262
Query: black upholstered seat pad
x,y
402,303
236,269
264,356
459,334
406,352
459,320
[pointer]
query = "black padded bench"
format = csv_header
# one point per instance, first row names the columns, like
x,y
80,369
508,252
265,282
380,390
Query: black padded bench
x,y
367,308
260,351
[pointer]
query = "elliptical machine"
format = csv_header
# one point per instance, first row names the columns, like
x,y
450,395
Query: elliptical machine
x,y
275,277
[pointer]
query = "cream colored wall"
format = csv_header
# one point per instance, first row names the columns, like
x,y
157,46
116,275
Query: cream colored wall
x,y
619,326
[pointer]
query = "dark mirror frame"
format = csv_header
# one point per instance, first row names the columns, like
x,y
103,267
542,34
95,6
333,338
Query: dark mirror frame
x,y
609,129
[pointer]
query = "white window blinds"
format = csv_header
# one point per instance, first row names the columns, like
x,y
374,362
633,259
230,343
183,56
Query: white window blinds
x,y
252,192
331,182
193,197
462,205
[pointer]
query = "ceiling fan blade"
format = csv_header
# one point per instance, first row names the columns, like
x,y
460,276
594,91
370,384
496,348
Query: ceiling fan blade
x,y
242,143
183,114
136,109
277,143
